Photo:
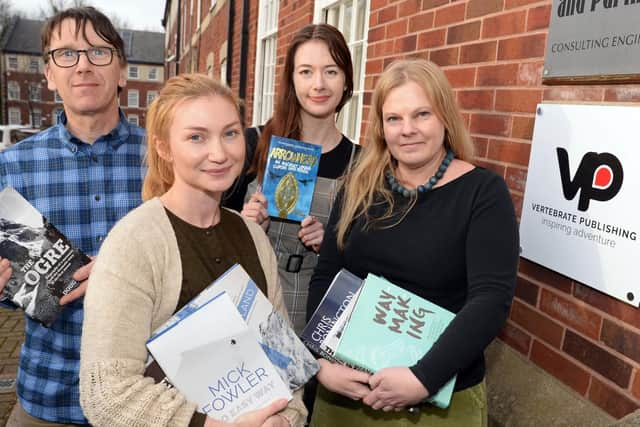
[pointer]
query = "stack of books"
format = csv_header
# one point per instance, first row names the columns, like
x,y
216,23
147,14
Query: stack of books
x,y
229,351
373,324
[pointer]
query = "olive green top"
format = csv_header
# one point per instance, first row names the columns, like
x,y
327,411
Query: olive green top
x,y
206,253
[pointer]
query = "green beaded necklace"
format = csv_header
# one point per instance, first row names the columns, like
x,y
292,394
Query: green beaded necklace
x,y
398,188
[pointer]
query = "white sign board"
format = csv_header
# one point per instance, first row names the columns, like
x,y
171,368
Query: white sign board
x,y
580,215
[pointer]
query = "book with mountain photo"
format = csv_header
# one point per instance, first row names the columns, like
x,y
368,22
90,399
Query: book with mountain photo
x,y
292,360
390,326
42,258
216,360
290,177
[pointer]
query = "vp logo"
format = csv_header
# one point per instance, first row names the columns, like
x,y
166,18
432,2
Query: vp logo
x,y
599,177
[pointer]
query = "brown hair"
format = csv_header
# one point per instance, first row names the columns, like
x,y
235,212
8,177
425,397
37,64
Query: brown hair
x,y
366,184
184,87
286,119
82,16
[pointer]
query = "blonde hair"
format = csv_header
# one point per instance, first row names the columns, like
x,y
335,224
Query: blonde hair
x,y
177,89
365,185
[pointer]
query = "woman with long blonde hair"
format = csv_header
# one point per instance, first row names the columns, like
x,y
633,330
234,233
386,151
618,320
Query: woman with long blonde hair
x,y
416,211
164,253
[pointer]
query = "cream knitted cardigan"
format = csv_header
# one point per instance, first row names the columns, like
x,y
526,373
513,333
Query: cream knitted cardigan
x,y
134,288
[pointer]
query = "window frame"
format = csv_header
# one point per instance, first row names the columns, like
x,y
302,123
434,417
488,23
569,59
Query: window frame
x,y
32,69
35,92
56,114
223,70
12,86
198,13
130,92
14,110
14,59
266,44
36,112
130,74
155,95
320,15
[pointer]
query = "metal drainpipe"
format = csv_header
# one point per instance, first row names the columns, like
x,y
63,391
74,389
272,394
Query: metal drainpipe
x,y
244,47
178,41
232,15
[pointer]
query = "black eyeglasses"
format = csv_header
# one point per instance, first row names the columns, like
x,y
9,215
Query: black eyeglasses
x,y
66,57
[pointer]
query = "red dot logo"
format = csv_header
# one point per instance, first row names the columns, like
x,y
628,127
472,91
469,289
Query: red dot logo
x,y
599,177
602,177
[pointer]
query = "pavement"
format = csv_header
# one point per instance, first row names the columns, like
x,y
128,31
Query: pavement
x,y
11,337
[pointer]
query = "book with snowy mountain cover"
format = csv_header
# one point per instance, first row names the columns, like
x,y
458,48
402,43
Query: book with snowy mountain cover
x,y
290,177
215,359
390,326
42,258
340,293
292,360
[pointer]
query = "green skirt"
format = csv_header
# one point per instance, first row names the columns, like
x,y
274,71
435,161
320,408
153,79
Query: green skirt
x,y
468,409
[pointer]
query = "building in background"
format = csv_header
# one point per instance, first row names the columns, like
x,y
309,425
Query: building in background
x,y
213,37
240,42
145,72
24,94
493,54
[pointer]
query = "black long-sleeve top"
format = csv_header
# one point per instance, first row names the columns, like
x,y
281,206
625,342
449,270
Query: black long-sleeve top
x,y
457,247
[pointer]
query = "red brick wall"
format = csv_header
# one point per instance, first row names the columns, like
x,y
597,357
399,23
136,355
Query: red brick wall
x,y
184,42
237,35
213,37
292,16
251,61
46,104
493,53
142,87
170,45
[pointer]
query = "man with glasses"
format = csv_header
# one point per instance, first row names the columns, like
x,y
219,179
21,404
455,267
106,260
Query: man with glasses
x,y
83,174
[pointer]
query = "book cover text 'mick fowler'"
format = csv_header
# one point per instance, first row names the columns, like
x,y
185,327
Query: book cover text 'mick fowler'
x,y
290,177
291,359
214,358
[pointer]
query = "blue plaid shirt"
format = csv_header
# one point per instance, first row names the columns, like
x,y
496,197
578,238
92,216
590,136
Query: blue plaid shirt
x,y
83,190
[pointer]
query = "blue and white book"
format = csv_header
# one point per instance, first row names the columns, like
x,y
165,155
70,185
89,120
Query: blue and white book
x,y
317,333
290,177
292,360
330,344
212,357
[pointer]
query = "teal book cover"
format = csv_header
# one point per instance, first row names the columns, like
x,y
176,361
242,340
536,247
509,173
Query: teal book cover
x,y
290,177
390,326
